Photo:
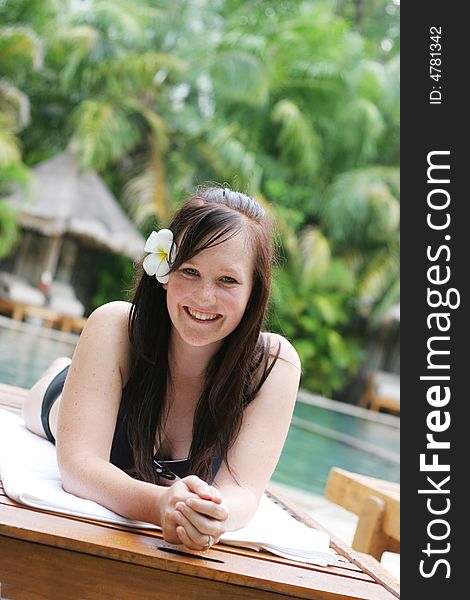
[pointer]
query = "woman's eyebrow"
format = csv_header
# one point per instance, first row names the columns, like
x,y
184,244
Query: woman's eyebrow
x,y
222,268
232,272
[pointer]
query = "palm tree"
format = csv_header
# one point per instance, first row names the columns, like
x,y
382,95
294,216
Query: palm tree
x,y
361,216
313,305
21,52
284,100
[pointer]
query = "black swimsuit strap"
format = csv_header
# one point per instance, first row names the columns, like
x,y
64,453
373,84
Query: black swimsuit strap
x,y
54,389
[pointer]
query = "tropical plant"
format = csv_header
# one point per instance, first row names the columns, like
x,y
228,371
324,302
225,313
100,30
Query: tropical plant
x,y
361,216
312,306
289,101
21,52
8,229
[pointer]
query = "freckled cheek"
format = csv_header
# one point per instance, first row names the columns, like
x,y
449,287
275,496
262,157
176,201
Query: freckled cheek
x,y
178,290
235,304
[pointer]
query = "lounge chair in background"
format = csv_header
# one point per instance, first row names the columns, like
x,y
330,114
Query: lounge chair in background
x,y
382,391
376,502
16,289
62,299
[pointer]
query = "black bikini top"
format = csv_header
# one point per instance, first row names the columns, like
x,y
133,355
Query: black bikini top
x,y
121,454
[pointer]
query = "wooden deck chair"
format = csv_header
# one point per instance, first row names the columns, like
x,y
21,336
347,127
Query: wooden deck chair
x,y
376,502
47,555
382,391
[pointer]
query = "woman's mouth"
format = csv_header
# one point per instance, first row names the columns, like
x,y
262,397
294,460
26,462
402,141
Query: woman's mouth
x,y
199,316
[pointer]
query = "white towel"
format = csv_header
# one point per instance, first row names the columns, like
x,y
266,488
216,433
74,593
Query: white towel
x,y
30,475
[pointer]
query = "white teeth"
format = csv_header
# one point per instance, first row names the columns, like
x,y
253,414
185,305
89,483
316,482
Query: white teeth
x,y
201,316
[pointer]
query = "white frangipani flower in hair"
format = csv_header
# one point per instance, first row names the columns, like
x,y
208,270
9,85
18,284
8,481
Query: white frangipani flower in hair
x,y
162,251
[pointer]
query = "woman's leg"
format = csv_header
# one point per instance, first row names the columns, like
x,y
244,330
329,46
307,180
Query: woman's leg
x,y
33,401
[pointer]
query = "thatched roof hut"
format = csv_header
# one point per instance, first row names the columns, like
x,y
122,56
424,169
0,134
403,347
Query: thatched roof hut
x,y
63,200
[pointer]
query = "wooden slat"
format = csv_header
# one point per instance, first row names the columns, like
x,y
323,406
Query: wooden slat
x,y
148,551
343,569
30,571
350,490
366,564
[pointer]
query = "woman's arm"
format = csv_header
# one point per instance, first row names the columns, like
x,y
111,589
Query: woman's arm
x,y
255,453
87,420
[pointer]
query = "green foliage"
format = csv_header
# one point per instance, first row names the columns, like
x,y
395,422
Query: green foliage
x,y
105,132
312,307
21,49
296,102
240,77
114,278
297,141
9,231
361,208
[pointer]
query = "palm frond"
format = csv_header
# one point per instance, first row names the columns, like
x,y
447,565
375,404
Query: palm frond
x,y
314,254
239,77
15,103
9,143
361,208
369,78
359,128
105,132
134,74
20,48
297,140
139,194
229,155
9,230
69,47
391,92
378,271
389,297
121,18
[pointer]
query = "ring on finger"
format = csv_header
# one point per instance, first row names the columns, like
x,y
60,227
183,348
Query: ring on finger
x,y
210,542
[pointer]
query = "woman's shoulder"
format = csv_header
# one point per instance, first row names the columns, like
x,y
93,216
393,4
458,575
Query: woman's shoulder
x,y
114,313
106,332
109,324
287,351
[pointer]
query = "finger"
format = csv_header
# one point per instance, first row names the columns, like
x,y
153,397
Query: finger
x,y
186,540
198,486
169,530
195,536
216,496
210,509
203,524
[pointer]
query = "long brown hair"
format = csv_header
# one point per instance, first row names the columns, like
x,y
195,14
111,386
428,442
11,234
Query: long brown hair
x,y
240,366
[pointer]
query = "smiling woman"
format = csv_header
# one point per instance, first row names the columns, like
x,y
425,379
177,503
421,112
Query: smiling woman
x,y
177,403
208,294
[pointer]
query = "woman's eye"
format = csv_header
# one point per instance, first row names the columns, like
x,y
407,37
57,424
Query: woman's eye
x,y
228,279
189,271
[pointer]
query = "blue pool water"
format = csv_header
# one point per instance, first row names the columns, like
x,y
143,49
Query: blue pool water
x,y
337,440
307,457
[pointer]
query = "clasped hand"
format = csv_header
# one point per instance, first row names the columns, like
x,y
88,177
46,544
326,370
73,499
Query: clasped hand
x,y
191,510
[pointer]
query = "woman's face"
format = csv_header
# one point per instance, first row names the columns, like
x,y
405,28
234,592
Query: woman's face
x,y
207,296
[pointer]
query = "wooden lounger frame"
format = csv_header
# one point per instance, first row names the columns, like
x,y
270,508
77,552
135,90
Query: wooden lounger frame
x,y
45,556
19,311
376,502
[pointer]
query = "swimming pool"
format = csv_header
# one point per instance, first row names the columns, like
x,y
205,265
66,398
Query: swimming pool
x,y
323,433
26,350
323,436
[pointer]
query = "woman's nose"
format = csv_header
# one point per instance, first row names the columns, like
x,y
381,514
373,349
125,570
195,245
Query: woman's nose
x,y
206,295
